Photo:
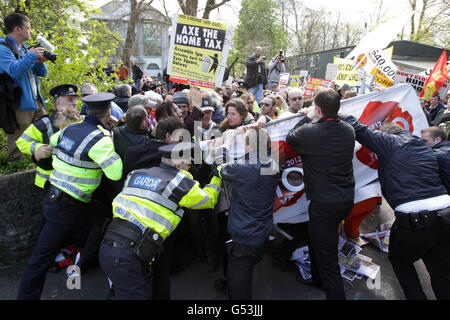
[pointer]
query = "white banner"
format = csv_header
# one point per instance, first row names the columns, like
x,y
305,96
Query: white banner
x,y
379,60
397,104
380,37
417,82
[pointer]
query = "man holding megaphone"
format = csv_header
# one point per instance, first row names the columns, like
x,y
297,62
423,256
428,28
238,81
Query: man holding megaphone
x,y
21,66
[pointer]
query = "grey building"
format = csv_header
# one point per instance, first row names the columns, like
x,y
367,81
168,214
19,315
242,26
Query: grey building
x,y
151,47
407,55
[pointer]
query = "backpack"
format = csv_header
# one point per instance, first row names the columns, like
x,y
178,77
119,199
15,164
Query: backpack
x,y
10,94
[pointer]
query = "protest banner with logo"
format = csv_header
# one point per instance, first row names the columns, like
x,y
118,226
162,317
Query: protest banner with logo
x,y
397,104
347,73
313,84
417,81
198,51
384,70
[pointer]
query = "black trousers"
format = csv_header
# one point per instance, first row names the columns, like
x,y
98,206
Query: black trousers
x,y
161,270
324,219
59,221
204,226
299,233
131,277
242,260
431,244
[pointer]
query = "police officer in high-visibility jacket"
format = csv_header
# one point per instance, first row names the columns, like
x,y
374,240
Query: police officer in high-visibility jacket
x,y
146,212
82,153
36,138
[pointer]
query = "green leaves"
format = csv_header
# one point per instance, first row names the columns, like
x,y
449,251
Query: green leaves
x,y
82,46
259,24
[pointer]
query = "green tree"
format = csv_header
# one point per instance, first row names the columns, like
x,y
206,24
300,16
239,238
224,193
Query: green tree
x,y
82,45
260,25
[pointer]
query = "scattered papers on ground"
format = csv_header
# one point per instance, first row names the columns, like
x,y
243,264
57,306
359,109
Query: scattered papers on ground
x,y
380,236
353,264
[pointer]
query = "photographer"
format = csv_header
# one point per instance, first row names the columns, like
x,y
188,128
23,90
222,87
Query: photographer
x,y
256,74
24,66
276,68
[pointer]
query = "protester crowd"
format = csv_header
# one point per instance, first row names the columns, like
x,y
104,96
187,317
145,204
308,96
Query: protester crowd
x,y
114,189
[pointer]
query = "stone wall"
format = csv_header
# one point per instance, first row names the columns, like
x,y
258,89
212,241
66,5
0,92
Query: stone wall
x,y
20,217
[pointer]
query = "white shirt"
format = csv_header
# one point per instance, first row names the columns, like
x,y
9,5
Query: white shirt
x,y
430,204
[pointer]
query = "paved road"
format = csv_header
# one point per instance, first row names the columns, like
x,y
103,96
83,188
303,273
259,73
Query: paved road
x,y
196,283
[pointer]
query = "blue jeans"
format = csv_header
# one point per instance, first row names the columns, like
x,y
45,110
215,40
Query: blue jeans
x,y
256,91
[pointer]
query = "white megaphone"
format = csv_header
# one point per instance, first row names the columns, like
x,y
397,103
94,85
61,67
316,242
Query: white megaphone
x,y
45,44
48,49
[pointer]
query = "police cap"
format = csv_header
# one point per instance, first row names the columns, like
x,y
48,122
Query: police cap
x,y
177,151
64,90
101,100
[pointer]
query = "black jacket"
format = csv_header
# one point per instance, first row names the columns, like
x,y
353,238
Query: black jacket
x,y
144,155
326,148
137,72
436,113
10,94
252,72
122,102
407,167
252,200
124,137
442,151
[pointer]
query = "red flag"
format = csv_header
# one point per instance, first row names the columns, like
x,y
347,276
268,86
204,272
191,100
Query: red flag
x,y
437,78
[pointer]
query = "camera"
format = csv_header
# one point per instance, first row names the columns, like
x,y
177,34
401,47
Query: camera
x,y
50,56
42,42
281,56
47,55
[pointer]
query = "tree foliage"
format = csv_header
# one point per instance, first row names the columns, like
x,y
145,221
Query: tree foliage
x,y
259,25
316,29
430,22
82,44
191,7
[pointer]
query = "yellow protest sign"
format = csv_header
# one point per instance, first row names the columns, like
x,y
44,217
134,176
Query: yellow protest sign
x,y
381,79
296,81
198,51
346,72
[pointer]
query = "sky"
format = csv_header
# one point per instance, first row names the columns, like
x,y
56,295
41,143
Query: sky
x,y
353,10
227,13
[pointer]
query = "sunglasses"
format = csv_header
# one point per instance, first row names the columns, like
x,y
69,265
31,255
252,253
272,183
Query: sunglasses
x,y
265,104
295,98
250,102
